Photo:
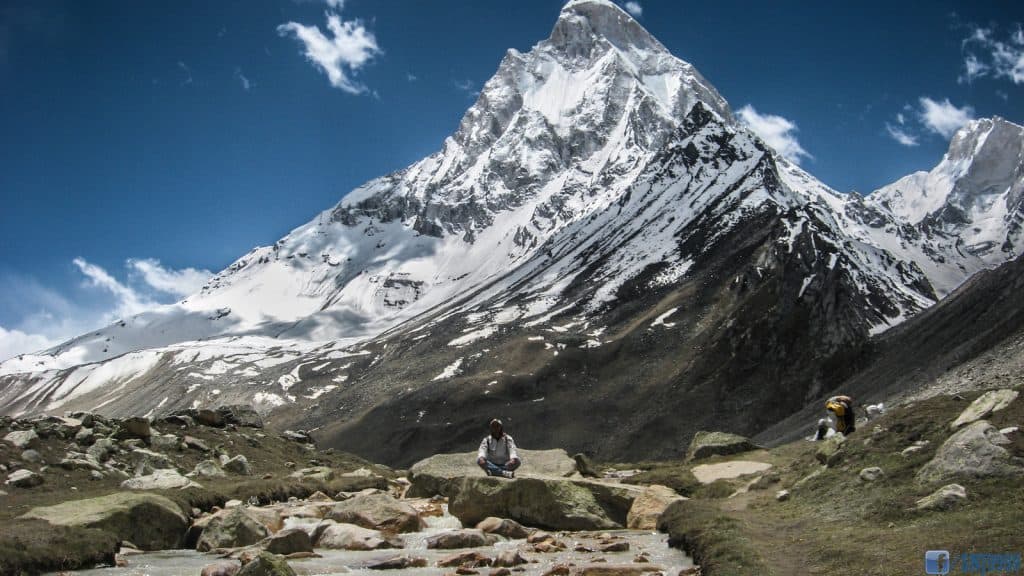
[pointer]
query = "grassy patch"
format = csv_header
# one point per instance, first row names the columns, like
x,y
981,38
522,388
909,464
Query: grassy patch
x,y
715,540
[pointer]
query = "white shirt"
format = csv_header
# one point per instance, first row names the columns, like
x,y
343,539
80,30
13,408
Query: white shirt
x,y
499,450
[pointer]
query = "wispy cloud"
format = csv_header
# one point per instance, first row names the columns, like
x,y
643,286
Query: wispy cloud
x,y
901,135
467,86
411,77
48,317
986,54
634,8
943,117
178,283
776,131
243,80
188,73
349,47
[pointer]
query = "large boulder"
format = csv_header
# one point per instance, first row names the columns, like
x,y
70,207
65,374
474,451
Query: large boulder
x,y
208,469
267,564
649,505
146,461
231,529
377,512
556,504
241,415
23,439
150,521
159,480
134,427
984,406
976,451
705,444
102,449
337,536
436,474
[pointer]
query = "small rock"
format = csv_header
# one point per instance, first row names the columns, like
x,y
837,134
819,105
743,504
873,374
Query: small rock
x,y
830,451
473,558
238,465
621,546
782,495
267,564
319,496
500,572
24,479
503,527
871,474
102,449
558,570
509,559
208,417
221,568
31,456
351,537
944,498
85,436
234,503
399,563
460,539
196,444
159,480
96,475
287,542
208,469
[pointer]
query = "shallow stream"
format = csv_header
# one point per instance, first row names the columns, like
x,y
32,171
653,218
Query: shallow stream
x,y
654,545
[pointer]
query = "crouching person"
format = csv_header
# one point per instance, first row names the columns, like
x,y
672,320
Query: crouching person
x,y
497,455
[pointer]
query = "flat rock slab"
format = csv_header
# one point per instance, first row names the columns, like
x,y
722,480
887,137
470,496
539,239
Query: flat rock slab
x,y
433,475
985,405
150,521
976,451
549,503
705,444
708,473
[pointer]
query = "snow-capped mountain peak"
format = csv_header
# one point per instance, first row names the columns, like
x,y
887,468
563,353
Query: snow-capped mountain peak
x,y
975,194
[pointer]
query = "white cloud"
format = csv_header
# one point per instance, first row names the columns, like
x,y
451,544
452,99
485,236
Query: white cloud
x,y
467,86
243,80
634,8
411,77
944,118
1002,58
15,342
899,134
38,317
350,47
188,73
180,283
776,131
128,301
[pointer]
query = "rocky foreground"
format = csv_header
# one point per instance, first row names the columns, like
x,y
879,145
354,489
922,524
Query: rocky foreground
x,y
232,498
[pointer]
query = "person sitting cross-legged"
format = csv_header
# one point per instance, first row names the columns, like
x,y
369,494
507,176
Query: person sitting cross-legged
x,y
497,455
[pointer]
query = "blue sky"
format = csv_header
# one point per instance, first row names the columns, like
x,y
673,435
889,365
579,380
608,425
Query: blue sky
x,y
145,144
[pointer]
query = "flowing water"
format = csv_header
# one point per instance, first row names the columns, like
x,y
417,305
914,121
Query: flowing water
x,y
653,545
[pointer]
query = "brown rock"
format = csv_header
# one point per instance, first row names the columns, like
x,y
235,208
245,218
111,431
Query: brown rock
x,y
621,546
558,570
509,559
503,527
398,563
465,571
221,568
475,559
605,569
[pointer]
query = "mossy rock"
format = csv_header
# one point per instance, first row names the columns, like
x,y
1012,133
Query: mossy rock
x,y
150,521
